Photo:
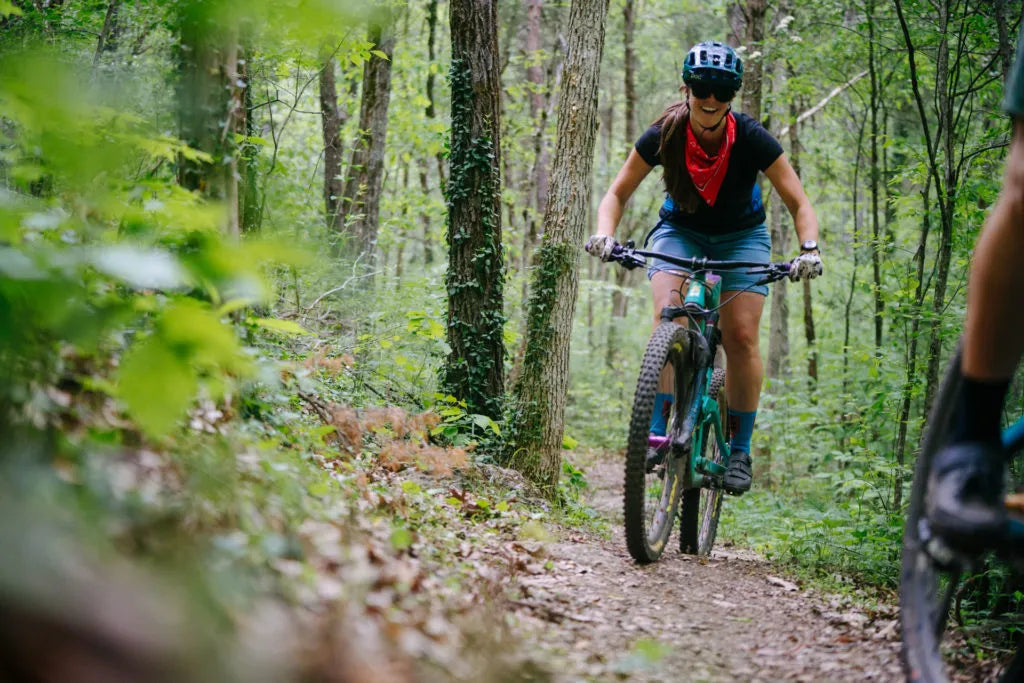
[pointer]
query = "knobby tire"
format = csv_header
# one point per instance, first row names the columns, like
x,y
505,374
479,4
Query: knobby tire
x,y
922,616
700,507
648,521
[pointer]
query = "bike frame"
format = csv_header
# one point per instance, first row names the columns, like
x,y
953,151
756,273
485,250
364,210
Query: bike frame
x,y
704,293
699,304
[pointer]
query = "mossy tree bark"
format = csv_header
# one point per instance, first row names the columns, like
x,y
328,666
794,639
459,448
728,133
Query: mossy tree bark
x,y
474,370
332,119
211,106
360,205
535,426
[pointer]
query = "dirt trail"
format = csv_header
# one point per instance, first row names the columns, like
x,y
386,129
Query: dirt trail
x,y
600,616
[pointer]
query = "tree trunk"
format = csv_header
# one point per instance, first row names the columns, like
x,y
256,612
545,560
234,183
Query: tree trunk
x,y
911,357
777,366
110,33
474,370
629,69
538,191
360,206
944,173
535,427
331,119
431,112
778,335
944,100
812,350
618,311
876,241
250,210
752,68
1005,42
211,106
737,21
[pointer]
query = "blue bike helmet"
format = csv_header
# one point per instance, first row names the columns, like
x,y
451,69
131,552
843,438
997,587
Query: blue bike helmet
x,y
714,64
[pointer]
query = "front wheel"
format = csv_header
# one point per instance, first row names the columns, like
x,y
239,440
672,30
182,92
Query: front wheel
x,y
698,518
653,486
932,591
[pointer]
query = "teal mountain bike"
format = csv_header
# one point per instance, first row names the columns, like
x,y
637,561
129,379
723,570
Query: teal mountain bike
x,y
683,470
937,584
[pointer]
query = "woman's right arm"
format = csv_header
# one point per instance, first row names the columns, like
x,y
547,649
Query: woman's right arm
x,y
609,212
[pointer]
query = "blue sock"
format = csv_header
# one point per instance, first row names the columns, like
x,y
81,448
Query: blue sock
x,y
742,427
662,408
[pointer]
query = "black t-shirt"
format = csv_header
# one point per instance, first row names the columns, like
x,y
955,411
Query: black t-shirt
x,y
738,205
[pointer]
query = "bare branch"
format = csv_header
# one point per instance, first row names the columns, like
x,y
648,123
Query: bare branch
x,y
821,105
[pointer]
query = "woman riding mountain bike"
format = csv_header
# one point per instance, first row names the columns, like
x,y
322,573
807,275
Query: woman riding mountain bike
x,y
713,209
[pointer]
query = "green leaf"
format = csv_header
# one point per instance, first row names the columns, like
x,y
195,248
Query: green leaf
x,y
156,385
8,8
401,538
319,489
193,328
411,487
283,326
380,54
569,443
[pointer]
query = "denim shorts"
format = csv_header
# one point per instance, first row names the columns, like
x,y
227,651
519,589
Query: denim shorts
x,y
752,244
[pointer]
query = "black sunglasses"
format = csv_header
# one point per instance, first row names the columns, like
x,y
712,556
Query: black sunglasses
x,y
722,93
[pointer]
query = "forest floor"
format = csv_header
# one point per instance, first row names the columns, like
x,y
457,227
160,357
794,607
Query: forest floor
x,y
599,616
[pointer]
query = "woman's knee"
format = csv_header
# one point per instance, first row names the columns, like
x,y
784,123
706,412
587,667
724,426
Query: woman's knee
x,y
742,339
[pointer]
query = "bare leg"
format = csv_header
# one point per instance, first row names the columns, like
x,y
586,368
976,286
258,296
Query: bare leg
x,y
665,288
740,322
994,332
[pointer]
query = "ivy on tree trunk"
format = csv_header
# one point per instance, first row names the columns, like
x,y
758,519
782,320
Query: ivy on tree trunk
x,y
535,426
474,369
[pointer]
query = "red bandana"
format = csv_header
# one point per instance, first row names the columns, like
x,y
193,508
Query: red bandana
x,y
708,171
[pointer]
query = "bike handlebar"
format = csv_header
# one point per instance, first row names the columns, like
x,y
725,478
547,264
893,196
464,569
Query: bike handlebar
x,y
632,258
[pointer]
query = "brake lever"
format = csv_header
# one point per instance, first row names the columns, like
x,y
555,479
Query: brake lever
x,y
623,253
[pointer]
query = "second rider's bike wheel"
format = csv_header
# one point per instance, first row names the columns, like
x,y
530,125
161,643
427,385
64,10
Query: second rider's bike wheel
x,y
653,485
698,517
931,577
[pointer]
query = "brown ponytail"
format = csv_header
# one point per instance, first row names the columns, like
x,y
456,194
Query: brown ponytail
x,y
672,152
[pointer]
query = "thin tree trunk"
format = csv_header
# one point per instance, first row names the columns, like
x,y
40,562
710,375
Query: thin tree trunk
x,y
629,68
777,366
911,358
809,335
1005,43
248,159
109,34
945,246
331,120
211,107
753,39
360,206
431,112
474,369
428,249
945,186
536,427
876,241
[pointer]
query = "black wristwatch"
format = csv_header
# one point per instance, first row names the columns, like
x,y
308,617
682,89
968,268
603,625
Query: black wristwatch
x,y
809,245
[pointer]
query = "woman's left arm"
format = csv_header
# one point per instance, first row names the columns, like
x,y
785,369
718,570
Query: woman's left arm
x,y
786,182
